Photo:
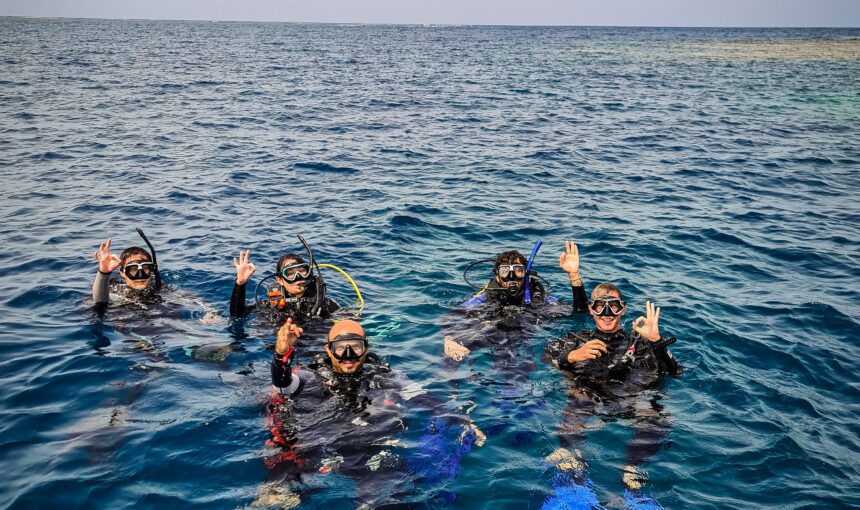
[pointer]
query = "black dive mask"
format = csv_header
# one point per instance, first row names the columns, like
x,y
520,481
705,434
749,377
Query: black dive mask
x,y
607,306
348,347
138,270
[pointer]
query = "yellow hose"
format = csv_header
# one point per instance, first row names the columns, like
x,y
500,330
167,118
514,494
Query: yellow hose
x,y
354,286
479,292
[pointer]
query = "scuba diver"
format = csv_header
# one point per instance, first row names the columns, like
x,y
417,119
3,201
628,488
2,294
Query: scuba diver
x,y
344,413
615,374
514,283
297,291
137,267
501,320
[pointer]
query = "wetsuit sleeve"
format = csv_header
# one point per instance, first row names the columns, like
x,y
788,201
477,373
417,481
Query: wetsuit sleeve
x,y
665,361
580,301
238,308
557,351
283,378
101,288
331,306
463,329
282,374
562,361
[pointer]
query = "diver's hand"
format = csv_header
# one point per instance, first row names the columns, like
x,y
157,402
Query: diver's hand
x,y
287,336
454,350
244,268
107,261
591,349
647,326
569,262
480,437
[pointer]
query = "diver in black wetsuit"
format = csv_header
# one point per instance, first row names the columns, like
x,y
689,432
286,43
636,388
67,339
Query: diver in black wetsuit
x,y
297,294
615,373
344,414
500,320
137,267
508,289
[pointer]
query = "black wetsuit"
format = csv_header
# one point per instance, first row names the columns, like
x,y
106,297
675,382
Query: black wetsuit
x,y
298,308
501,325
104,286
621,383
613,374
498,320
325,422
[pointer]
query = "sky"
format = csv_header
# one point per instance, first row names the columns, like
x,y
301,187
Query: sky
x,y
688,13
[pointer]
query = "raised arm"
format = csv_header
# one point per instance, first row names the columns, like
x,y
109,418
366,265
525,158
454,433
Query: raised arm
x,y
107,264
648,327
283,378
244,270
569,262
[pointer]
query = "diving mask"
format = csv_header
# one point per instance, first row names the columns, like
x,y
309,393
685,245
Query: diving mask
x,y
511,271
293,272
137,270
609,306
348,347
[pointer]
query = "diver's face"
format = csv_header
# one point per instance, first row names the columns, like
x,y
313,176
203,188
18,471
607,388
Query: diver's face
x,y
511,276
345,367
136,266
607,323
296,288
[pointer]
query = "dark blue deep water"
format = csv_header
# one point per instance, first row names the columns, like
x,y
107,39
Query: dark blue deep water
x,y
714,171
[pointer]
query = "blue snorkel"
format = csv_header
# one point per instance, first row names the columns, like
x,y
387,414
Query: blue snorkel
x,y
528,296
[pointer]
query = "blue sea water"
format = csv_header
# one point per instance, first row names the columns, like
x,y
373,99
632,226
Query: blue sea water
x,y
714,171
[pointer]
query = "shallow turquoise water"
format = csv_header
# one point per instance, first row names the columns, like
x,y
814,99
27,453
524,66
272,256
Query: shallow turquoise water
x,y
718,183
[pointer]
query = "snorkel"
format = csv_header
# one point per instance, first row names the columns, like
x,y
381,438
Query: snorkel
x,y
320,284
528,295
154,260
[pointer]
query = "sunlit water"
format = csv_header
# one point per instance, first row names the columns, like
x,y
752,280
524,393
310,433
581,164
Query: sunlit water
x,y
713,171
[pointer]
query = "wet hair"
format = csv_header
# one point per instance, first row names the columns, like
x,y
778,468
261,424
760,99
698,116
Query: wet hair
x,y
282,262
605,289
509,257
132,251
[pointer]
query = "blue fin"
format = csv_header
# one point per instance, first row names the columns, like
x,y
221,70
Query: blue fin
x,y
570,495
441,451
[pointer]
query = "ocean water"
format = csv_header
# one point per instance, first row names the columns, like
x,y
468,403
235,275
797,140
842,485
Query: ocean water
x,y
714,171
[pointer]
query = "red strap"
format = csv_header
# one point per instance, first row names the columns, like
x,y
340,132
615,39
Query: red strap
x,y
286,356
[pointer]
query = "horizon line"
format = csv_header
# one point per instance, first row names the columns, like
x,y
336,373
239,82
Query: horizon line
x,y
417,24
